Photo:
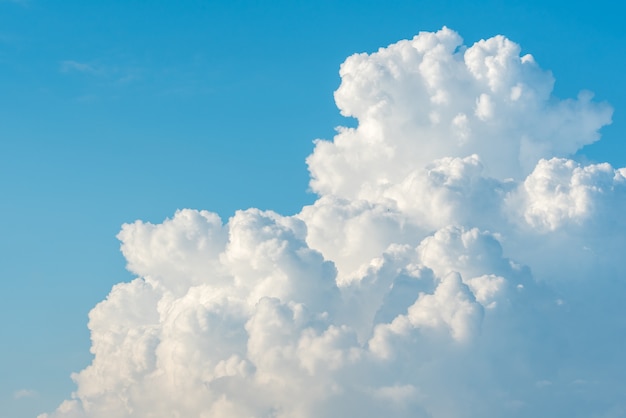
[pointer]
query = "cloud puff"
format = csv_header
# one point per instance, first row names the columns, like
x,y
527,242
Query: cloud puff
x,y
560,192
456,264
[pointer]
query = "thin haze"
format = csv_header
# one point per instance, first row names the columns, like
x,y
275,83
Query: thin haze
x,y
457,262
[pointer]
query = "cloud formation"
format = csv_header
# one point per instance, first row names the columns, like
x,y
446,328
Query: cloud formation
x,y
456,264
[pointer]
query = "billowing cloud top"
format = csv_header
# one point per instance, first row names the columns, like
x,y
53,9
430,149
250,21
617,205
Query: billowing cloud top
x,y
456,264
431,97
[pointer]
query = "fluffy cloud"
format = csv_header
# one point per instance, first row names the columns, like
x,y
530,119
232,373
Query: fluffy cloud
x,y
431,97
456,264
560,192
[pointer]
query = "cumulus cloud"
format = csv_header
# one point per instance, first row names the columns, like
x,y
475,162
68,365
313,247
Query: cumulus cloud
x,y
431,97
457,263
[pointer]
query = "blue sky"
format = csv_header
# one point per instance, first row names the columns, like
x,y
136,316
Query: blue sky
x,y
122,110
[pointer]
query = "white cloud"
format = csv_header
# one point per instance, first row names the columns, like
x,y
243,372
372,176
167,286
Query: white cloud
x,y
456,264
561,191
428,98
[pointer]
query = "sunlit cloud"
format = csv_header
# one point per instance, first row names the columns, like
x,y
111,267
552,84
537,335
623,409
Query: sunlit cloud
x,y
457,263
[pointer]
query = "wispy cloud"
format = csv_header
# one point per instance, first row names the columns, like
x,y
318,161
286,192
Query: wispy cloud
x,y
70,66
113,73
20,2
24,393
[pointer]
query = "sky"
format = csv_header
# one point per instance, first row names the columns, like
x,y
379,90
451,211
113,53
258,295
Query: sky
x,y
117,111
